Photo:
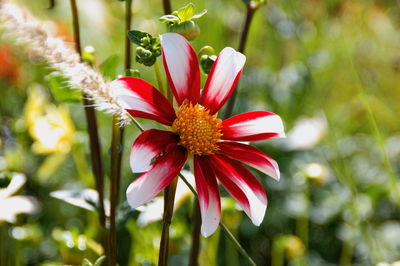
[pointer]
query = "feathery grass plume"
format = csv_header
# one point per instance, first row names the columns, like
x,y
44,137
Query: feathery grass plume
x,y
41,45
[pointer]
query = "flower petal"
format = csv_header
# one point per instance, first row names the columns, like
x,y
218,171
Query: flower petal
x,y
141,99
181,66
242,185
208,193
148,145
163,171
251,156
222,79
251,126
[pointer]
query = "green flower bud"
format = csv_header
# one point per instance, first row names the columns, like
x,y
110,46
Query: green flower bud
x,y
188,29
206,62
145,57
132,73
88,54
206,50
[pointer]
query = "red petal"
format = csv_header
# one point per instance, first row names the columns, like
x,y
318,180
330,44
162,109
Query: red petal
x,y
141,99
163,171
222,79
147,146
251,156
181,66
208,193
242,185
251,126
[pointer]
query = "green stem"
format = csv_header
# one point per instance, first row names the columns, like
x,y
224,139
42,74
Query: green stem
x,y
302,223
94,141
251,9
239,247
159,79
117,143
278,258
196,226
167,7
116,156
169,198
128,22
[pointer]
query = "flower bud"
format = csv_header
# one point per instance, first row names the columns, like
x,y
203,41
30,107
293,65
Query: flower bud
x,y
206,50
206,62
188,29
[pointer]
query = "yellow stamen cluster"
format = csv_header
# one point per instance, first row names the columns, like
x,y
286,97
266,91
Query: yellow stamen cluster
x,y
198,130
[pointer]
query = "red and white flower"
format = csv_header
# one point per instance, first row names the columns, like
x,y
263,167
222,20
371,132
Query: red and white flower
x,y
195,129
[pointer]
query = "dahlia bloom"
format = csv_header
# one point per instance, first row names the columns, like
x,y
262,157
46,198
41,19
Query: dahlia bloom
x,y
196,132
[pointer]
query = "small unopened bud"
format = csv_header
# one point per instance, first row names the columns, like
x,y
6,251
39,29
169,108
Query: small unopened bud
x,y
88,54
188,29
206,62
206,50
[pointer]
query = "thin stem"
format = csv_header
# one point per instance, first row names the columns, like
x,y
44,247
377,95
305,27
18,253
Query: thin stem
x,y
239,247
196,225
128,22
169,198
159,79
52,4
94,141
242,45
117,143
75,25
116,156
167,7
278,258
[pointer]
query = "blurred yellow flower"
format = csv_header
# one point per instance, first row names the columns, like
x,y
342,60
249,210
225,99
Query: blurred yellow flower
x,y
51,128
49,125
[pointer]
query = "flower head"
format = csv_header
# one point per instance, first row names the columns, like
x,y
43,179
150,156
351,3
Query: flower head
x,y
196,130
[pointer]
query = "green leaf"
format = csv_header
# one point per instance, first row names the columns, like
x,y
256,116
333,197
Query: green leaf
x,y
109,67
86,262
199,15
99,261
61,90
136,36
169,19
186,12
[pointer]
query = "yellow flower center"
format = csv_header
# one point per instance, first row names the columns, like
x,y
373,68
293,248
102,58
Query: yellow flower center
x,y
199,131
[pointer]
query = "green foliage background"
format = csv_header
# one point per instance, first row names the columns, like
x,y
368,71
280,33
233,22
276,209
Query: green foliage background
x,y
334,59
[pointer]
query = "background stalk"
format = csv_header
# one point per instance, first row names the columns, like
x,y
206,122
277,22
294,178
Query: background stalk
x,y
117,143
196,226
116,156
169,198
251,9
167,7
94,141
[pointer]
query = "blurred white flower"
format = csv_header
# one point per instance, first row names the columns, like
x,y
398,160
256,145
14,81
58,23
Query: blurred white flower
x,y
307,133
153,211
11,206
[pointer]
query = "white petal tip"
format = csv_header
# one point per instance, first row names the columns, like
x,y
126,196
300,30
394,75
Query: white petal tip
x,y
206,232
133,201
